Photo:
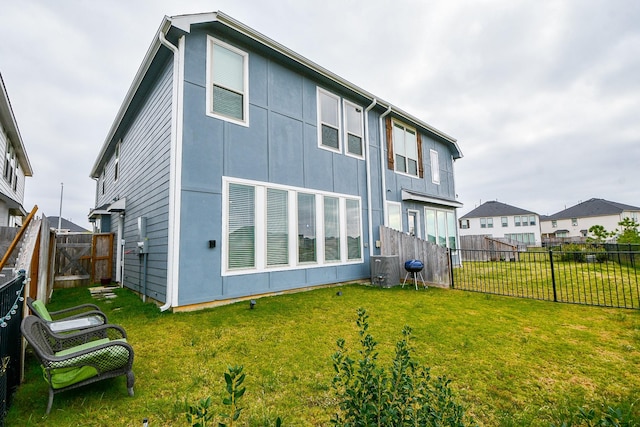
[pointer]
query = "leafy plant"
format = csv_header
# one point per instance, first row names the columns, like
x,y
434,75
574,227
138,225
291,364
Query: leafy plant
x,y
404,395
201,415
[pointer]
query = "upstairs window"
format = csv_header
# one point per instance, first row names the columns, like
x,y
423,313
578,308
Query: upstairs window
x,y
116,167
353,128
505,221
10,164
227,82
328,120
404,149
435,167
405,146
464,224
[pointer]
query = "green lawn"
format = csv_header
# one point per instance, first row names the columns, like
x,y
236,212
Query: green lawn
x,y
512,361
600,283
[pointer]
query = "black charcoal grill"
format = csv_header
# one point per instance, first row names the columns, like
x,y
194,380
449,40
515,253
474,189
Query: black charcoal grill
x,y
414,269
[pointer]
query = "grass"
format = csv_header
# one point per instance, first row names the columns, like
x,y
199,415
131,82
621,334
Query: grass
x,y
602,283
513,362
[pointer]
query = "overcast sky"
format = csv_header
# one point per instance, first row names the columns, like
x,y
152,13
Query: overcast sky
x,y
542,96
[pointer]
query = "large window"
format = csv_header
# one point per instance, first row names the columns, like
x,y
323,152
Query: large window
x,y
11,166
241,226
441,227
328,120
354,129
405,146
271,227
306,227
354,234
394,215
277,227
331,229
227,82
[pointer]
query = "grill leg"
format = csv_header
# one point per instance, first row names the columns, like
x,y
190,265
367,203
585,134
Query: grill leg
x,y
405,279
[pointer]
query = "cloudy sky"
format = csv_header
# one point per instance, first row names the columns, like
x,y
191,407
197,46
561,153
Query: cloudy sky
x,y
543,96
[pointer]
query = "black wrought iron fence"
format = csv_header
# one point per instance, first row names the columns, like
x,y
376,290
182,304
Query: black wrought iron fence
x,y
593,277
11,308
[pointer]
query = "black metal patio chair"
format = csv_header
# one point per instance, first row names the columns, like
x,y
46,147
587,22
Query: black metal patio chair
x,y
79,358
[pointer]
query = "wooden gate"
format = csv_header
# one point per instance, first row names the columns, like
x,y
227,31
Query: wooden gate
x,y
102,258
82,259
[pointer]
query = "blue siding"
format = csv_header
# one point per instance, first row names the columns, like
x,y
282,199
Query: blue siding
x,y
279,146
144,182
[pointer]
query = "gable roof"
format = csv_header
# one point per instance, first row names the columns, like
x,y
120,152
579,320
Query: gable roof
x,y
10,126
495,208
183,23
592,207
65,224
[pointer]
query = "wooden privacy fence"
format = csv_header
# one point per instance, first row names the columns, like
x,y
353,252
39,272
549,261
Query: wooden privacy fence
x,y
82,258
488,249
435,258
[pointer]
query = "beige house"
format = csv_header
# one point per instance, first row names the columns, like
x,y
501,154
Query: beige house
x,y
573,223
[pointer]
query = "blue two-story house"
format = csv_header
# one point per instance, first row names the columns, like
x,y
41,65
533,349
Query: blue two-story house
x,y
237,167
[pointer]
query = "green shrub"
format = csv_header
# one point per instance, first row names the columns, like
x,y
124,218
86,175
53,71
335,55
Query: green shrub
x,y
404,395
201,415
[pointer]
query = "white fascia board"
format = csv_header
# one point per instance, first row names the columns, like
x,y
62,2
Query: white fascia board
x,y
8,120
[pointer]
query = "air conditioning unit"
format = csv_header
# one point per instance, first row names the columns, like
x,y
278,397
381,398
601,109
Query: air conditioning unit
x,y
385,270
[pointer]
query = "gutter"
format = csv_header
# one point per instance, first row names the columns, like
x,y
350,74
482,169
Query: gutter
x,y
383,170
367,162
175,174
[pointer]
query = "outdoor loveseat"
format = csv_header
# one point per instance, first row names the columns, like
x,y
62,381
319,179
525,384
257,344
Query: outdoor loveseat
x,y
79,358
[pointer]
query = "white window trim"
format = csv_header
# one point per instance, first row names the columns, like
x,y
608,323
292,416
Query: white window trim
x,y
211,41
435,168
319,90
417,224
387,222
260,227
395,145
346,129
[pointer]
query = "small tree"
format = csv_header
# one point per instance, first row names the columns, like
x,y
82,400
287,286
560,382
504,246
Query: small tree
x,y
629,232
599,233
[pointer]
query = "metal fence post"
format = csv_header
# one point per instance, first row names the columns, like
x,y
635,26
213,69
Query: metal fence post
x,y
451,268
553,276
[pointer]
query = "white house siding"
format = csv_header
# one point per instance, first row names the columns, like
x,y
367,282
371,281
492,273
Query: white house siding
x,y
609,222
5,187
143,179
498,231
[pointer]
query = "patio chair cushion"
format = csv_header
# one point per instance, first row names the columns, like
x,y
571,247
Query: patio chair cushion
x,y
74,370
42,310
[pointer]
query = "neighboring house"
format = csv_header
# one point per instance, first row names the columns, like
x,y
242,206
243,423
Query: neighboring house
x,y
15,165
236,167
65,226
573,223
502,221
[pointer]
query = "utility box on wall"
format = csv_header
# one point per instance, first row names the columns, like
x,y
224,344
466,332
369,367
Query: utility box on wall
x,y
385,270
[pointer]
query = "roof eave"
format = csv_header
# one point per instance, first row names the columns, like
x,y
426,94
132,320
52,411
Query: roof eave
x,y
8,120
184,23
165,25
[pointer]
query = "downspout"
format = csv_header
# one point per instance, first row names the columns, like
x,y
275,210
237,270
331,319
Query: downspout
x,y
367,161
383,169
175,170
